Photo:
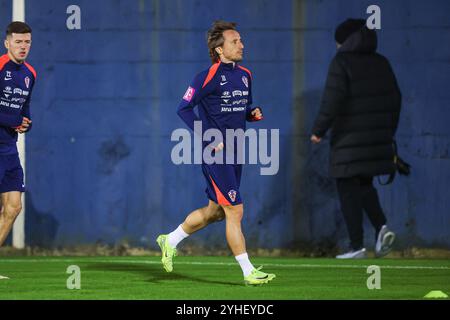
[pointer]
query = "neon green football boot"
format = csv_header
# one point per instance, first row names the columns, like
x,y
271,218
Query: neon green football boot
x,y
258,277
168,252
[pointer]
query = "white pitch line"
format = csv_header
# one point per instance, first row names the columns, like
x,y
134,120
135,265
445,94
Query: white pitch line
x,y
342,266
290,265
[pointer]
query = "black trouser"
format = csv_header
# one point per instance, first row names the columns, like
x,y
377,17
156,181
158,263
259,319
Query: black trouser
x,y
358,194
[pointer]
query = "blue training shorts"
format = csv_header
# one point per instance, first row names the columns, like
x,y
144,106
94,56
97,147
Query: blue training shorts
x,y
223,181
11,174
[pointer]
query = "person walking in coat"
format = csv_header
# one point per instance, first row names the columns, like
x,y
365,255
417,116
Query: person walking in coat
x,y
361,106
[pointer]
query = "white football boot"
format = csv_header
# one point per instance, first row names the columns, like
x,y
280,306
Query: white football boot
x,y
384,243
354,254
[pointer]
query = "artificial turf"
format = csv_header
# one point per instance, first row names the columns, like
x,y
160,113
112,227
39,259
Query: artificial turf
x,y
219,278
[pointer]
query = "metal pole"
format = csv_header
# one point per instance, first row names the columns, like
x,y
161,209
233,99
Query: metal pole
x,y
18,240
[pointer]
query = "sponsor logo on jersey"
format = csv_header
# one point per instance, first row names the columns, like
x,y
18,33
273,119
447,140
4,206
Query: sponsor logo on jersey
x,y
19,100
8,76
245,81
242,101
189,94
224,80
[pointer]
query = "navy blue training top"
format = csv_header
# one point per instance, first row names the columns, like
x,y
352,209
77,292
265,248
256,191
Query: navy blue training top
x,y
16,85
223,93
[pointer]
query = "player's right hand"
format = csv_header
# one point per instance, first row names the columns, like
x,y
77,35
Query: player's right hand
x,y
24,126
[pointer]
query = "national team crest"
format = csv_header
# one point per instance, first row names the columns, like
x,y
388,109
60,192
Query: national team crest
x,y
245,81
189,94
27,82
232,195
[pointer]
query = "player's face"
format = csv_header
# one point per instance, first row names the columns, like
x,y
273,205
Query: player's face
x,y
18,45
233,48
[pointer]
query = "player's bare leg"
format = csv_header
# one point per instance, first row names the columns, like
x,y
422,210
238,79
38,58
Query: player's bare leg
x,y
200,218
236,241
235,238
196,220
11,207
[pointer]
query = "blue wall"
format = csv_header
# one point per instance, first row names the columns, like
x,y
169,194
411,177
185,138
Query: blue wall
x,y
414,36
98,158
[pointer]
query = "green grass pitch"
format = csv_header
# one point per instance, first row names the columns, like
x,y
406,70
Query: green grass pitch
x,y
217,278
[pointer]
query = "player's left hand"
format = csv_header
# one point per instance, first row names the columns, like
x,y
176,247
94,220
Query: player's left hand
x,y
257,114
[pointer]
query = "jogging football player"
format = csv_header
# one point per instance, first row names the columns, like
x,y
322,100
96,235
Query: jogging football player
x,y
223,96
16,84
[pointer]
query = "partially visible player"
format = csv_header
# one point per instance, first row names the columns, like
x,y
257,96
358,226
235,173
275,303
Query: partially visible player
x,y
16,84
223,96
